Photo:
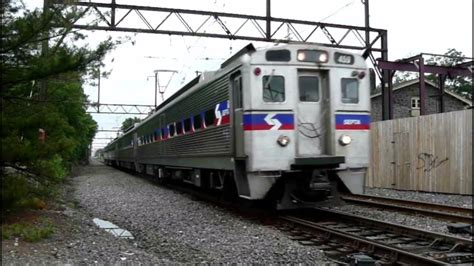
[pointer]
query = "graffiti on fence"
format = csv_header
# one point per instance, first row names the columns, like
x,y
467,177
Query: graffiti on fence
x,y
428,161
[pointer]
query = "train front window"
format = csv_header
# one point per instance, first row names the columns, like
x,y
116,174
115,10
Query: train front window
x,y
273,88
309,88
350,90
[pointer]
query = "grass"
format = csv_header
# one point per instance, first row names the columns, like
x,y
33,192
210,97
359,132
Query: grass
x,y
30,232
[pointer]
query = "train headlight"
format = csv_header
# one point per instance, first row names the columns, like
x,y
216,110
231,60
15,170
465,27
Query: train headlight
x,y
323,57
283,140
345,140
316,56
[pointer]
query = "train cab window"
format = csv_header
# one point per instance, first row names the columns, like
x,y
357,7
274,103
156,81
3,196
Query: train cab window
x,y
209,117
187,125
350,90
172,129
273,88
197,122
308,88
179,128
282,55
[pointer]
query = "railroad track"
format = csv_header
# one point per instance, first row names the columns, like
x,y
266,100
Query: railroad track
x,y
445,212
346,238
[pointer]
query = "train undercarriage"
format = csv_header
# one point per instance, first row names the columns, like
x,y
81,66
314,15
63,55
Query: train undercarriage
x,y
302,187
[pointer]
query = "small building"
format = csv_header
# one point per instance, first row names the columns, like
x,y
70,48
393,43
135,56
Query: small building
x,y
406,100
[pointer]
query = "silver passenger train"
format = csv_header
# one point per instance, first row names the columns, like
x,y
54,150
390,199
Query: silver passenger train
x,y
288,124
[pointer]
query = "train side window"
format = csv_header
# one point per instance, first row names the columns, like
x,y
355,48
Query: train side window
x,y
209,117
309,88
350,90
187,125
197,122
172,129
179,128
163,133
273,88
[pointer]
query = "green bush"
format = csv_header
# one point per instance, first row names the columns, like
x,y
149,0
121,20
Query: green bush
x,y
16,190
54,169
27,231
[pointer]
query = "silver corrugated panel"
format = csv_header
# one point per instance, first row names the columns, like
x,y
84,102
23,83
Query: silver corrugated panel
x,y
212,141
203,99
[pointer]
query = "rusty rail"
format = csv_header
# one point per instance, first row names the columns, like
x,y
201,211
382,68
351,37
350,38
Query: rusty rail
x,y
445,212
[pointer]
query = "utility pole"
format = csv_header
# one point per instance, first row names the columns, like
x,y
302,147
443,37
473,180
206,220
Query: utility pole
x,y
367,24
158,87
98,90
44,52
269,20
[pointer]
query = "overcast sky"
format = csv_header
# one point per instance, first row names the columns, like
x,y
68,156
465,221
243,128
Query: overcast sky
x,y
414,26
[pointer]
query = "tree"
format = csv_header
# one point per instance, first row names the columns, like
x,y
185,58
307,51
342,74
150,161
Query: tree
x,y
43,72
129,122
458,84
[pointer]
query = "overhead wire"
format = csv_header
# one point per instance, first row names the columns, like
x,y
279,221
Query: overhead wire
x,y
337,11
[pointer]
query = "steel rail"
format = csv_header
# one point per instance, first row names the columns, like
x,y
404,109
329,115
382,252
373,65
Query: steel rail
x,y
446,212
405,256
367,244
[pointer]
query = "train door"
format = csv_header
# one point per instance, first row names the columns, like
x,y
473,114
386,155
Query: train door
x,y
135,149
237,105
163,132
312,114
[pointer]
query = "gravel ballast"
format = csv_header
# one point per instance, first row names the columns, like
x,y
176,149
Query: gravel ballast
x,y
172,227
418,221
437,198
175,227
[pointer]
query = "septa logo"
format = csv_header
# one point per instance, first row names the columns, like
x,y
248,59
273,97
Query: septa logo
x,y
352,122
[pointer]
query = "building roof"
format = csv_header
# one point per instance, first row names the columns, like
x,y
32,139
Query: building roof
x,y
408,83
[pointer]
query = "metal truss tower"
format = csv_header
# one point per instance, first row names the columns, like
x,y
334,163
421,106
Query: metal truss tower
x,y
116,17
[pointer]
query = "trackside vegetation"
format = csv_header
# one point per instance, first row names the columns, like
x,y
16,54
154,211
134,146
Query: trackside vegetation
x,y
45,129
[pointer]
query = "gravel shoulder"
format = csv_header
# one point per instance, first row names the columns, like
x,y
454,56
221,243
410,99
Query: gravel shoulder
x,y
171,227
176,227
76,240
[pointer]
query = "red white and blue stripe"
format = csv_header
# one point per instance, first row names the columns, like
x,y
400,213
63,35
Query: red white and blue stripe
x,y
222,113
352,122
269,122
